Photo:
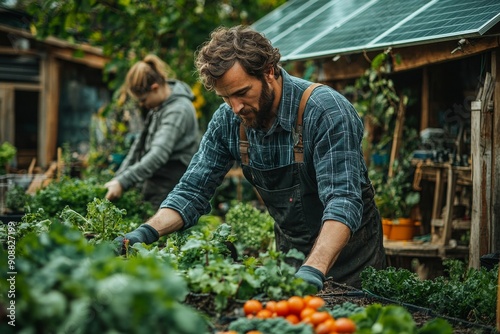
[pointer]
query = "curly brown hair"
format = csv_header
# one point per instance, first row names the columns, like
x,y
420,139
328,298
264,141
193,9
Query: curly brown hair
x,y
239,44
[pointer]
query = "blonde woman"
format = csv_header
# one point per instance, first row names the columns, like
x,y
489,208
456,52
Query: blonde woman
x,y
161,153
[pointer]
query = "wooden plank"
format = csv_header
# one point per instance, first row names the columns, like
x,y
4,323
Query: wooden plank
x,y
450,201
456,224
487,159
481,150
20,86
398,134
495,182
415,57
41,180
87,59
424,116
7,132
354,65
49,111
476,212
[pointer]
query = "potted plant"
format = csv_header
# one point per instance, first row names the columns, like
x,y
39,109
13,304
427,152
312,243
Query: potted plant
x,y
7,153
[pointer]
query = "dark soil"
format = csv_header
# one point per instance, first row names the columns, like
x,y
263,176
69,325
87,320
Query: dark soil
x,y
334,294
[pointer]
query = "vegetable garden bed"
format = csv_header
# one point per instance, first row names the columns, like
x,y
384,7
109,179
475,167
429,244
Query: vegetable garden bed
x,y
191,283
336,295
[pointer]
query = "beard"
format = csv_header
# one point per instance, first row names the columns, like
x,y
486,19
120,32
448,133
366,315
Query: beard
x,y
264,114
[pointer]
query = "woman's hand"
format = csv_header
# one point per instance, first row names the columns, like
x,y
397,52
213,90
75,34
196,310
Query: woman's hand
x,y
115,190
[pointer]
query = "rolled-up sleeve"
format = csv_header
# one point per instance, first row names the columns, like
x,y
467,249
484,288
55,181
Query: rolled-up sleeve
x,y
336,133
191,196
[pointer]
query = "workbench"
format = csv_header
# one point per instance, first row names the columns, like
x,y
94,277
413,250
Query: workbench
x,y
446,178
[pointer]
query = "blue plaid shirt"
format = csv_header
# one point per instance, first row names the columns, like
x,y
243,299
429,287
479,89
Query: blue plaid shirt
x,y
332,137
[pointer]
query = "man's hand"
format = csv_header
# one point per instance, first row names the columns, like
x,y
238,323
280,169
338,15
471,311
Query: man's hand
x,y
143,234
311,275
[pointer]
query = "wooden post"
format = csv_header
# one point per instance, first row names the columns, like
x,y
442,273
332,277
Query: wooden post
x,y
398,134
498,301
424,116
450,201
476,214
480,183
495,182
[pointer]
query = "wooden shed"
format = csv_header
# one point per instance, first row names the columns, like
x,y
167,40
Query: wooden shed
x,y
48,91
448,51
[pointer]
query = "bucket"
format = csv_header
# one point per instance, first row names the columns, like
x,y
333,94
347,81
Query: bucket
x,y
402,229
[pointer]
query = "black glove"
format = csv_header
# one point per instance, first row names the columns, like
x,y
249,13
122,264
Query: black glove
x,y
311,275
143,234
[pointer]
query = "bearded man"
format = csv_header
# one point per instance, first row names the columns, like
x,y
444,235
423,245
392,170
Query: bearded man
x,y
299,145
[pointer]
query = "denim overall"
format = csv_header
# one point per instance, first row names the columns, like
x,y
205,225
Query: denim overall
x,y
291,198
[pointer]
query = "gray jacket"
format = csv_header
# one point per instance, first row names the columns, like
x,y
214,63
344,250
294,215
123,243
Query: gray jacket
x,y
170,134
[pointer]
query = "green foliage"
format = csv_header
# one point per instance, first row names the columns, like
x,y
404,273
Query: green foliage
x,y
7,153
203,258
103,222
395,196
345,310
375,97
64,284
16,199
31,222
124,30
269,326
395,319
468,294
253,228
77,193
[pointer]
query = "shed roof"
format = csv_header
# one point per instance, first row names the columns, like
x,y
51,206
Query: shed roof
x,y
322,28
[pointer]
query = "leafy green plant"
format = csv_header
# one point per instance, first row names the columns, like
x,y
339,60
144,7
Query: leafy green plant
x,y
103,222
468,294
395,319
395,196
253,228
16,199
31,222
64,284
77,193
7,153
272,325
203,258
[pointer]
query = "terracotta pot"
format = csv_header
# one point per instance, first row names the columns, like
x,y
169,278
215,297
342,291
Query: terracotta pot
x,y
386,227
402,229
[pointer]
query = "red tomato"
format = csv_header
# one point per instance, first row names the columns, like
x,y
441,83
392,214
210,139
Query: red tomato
x,y
319,317
293,319
316,302
296,304
271,306
345,325
282,308
326,327
252,306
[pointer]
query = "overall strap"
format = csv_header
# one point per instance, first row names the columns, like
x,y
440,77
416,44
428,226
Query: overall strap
x,y
244,145
298,148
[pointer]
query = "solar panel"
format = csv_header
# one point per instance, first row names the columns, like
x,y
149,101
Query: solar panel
x,y
326,18
319,28
374,20
277,19
448,18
